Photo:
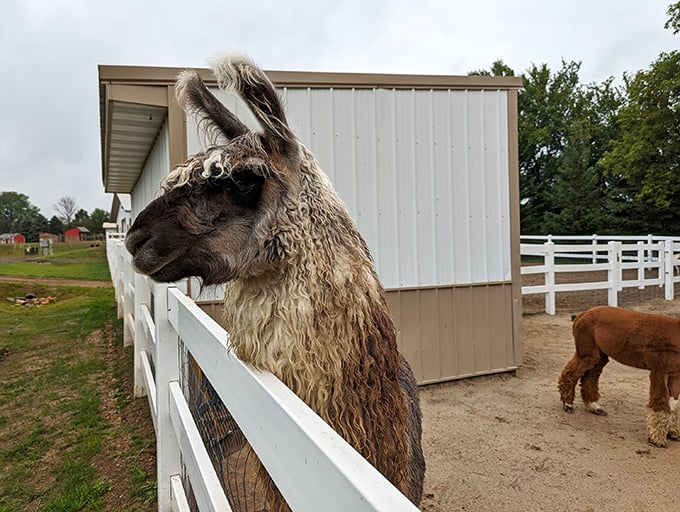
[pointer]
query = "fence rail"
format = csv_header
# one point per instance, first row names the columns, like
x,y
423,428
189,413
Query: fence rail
x,y
654,260
313,467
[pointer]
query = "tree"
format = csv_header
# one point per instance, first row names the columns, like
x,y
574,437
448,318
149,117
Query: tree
x,y
498,68
56,227
37,224
16,212
583,197
673,22
546,115
97,218
646,157
81,218
66,208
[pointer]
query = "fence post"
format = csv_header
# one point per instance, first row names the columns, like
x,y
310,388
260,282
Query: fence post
x,y
641,264
614,272
668,269
167,367
549,260
594,242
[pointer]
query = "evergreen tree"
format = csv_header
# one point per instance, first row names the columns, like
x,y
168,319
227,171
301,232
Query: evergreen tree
x,y
56,227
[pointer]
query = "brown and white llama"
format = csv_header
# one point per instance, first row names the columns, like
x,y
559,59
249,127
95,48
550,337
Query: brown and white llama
x,y
302,299
642,340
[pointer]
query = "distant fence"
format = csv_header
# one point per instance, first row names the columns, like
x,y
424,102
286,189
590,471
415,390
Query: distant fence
x,y
629,261
312,466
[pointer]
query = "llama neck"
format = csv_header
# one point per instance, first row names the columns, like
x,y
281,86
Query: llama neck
x,y
320,322
310,325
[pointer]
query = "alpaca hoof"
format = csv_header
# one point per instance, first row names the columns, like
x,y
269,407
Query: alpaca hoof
x,y
595,408
568,408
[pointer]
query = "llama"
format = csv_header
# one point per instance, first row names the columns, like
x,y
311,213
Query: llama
x,y
302,299
642,340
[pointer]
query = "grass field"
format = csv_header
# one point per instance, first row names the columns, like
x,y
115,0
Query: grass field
x,y
85,261
71,436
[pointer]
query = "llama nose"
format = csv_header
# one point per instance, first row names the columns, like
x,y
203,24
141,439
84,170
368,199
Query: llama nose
x,y
134,240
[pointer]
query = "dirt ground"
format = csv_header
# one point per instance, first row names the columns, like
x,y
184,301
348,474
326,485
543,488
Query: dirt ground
x,y
503,442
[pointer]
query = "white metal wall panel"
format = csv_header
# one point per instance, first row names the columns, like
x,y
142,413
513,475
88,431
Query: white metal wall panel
x,y
157,166
424,173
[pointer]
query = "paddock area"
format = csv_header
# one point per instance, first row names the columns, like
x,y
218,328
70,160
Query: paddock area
x,y
503,442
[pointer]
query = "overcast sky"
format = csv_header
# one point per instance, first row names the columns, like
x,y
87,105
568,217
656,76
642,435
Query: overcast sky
x,y
50,49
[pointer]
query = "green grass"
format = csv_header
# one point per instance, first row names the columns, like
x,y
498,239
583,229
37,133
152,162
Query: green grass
x,y
90,271
64,379
70,261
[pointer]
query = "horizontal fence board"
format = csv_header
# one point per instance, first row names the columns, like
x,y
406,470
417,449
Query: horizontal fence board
x,y
147,322
583,267
207,489
149,383
179,497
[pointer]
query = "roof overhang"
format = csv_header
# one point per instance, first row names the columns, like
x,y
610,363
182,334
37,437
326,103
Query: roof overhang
x,y
134,101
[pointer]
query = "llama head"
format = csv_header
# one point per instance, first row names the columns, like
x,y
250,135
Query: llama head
x,y
226,212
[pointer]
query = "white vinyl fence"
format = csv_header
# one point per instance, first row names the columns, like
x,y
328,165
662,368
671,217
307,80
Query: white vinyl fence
x,y
313,467
654,260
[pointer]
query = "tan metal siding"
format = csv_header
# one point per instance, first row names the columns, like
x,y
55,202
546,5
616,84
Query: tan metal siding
x,y
454,332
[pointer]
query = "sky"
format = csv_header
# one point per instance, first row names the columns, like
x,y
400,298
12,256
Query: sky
x,y
50,50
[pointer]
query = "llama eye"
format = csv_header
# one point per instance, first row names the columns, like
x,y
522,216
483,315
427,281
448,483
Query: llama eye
x,y
245,187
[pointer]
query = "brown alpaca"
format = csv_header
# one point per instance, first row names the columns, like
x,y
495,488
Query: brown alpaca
x,y
642,340
302,299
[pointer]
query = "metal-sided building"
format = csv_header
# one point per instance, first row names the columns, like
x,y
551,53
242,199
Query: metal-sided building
x,y
427,166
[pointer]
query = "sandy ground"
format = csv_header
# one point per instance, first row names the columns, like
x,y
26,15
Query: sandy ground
x,y
503,442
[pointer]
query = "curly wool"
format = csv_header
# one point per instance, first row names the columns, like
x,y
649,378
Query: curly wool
x,y
321,324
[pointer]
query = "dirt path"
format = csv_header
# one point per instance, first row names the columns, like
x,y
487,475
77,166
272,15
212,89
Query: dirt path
x,y
503,442
66,282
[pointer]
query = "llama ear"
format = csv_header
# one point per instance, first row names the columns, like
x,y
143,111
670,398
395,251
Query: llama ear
x,y
242,76
215,118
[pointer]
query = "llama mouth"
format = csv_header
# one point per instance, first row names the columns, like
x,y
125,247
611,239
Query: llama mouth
x,y
150,263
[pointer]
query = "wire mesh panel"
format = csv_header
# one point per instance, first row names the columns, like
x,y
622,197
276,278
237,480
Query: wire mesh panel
x,y
240,472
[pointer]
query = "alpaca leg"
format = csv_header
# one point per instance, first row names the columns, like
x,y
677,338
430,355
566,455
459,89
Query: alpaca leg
x,y
590,392
674,419
658,412
572,372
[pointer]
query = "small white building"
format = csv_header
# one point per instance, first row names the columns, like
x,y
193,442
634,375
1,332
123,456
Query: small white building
x,y
121,213
427,166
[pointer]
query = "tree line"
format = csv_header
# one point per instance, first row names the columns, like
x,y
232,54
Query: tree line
x,y
600,158
19,215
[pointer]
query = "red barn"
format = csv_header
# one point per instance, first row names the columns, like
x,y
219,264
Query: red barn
x,y
76,234
12,238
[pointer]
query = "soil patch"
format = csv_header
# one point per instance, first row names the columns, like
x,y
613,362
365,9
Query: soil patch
x,y
130,453
58,281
